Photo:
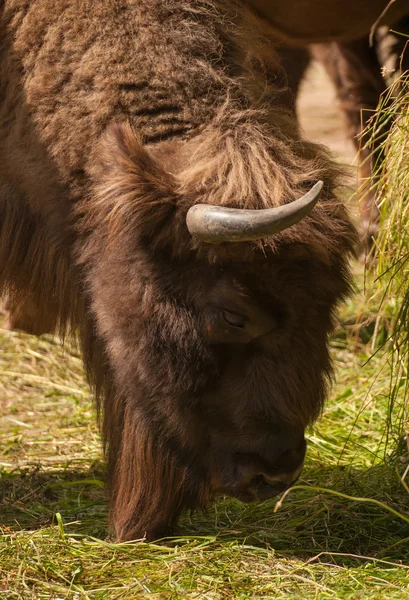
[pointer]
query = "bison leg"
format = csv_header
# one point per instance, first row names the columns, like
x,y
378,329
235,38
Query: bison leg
x,y
27,316
34,269
393,49
354,69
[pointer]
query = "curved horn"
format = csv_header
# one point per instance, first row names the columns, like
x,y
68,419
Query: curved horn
x,y
214,224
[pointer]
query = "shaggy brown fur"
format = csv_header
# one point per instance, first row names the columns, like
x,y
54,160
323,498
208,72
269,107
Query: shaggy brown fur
x,y
116,116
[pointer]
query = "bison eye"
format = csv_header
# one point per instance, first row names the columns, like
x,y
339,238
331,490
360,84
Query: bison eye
x,y
233,319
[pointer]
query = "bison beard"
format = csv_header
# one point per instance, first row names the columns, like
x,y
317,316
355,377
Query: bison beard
x,y
208,360
140,501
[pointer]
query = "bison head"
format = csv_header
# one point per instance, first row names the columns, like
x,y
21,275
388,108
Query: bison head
x,y
216,354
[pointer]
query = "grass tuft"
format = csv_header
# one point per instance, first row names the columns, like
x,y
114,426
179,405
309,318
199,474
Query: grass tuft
x,y
392,245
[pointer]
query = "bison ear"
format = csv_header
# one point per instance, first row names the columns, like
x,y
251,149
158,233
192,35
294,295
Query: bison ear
x,y
132,190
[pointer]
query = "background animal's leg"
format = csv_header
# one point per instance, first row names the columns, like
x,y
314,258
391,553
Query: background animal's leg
x,y
294,63
355,72
393,49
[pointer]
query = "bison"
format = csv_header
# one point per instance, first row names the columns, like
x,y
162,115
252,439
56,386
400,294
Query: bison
x,y
353,42
301,22
156,200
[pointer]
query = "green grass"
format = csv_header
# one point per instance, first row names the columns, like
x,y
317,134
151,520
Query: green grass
x,y
393,242
389,130
334,535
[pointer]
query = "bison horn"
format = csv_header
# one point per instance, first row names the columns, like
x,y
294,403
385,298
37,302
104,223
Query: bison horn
x,y
214,224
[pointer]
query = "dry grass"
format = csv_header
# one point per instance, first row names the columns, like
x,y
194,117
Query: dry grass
x,y
317,545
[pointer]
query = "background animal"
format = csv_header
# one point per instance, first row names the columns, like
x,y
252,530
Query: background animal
x,y
303,22
354,42
208,352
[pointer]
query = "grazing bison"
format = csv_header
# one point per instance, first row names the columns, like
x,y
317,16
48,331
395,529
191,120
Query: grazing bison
x,y
352,40
155,198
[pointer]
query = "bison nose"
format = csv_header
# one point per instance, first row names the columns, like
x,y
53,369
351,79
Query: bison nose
x,y
263,489
259,479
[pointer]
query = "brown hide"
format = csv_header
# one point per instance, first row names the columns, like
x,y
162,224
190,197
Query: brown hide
x,y
300,22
